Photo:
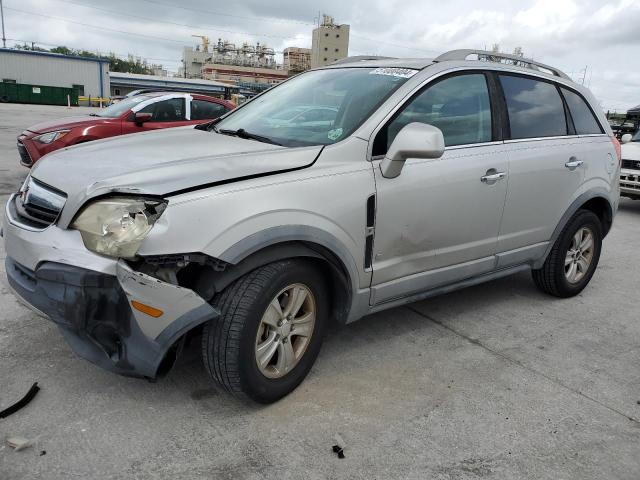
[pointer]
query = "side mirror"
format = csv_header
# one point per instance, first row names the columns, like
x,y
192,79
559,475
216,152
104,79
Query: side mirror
x,y
141,118
626,138
415,140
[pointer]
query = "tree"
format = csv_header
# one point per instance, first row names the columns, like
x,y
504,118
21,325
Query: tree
x,y
129,66
32,47
62,50
116,64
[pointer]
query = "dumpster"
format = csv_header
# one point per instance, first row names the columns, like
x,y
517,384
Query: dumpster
x,y
41,94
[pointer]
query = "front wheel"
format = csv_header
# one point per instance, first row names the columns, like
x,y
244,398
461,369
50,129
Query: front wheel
x,y
269,332
573,258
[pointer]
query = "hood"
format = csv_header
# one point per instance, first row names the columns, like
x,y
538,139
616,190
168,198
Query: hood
x,y
631,151
161,163
64,123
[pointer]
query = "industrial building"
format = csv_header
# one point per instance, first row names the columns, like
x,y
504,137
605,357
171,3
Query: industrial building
x,y
88,76
251,68
260,78
329,42
296,60
258,56
123,83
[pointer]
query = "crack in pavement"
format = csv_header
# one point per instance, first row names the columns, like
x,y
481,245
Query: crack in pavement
x,y
554,380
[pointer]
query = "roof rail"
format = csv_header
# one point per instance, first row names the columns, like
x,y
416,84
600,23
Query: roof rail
x,y
498,57
360,58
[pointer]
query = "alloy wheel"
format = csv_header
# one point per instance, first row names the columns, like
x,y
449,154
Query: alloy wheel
x,y
579,256
285,330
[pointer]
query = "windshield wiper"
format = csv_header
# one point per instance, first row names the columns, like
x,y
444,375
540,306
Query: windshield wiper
x,y
242,133
208,126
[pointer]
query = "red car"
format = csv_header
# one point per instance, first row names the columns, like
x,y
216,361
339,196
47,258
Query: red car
x,y
139,113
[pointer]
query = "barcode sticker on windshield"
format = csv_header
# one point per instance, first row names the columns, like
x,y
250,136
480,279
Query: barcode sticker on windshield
x,y
394,72
334,134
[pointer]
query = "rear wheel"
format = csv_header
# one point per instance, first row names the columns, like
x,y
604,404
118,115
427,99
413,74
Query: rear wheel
x,y
573,258
269,332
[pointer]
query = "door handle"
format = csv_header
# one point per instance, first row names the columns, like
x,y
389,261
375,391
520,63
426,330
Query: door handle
x,y
492,176
573,163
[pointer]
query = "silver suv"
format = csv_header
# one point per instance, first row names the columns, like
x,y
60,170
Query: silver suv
x,y
431,175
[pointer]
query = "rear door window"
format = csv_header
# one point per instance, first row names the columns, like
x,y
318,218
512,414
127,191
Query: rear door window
x,y
203,110
535,107
583,118
171,110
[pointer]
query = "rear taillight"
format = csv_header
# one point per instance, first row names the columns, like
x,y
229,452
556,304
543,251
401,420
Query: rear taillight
x,y
616,145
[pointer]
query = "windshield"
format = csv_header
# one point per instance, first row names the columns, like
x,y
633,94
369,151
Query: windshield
x,y
117,109
318,107
636,137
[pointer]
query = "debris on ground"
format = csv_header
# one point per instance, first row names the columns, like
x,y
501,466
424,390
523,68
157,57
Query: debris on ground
x,y
23,402
338,448
18,443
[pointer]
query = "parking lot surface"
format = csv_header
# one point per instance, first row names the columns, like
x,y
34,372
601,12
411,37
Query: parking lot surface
x,y
494,381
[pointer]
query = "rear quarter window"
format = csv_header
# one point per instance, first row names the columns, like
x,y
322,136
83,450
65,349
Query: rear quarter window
x,y
535,107
583,119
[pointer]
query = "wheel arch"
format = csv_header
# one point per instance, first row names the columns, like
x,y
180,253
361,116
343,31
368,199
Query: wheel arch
x,y
602,208
286,242
596,201
334,270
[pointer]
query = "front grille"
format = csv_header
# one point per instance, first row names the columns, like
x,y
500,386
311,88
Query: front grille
x,y
630,186
25,158
38,205
631,164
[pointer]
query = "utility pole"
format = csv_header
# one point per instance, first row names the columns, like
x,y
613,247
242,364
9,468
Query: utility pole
x,y
584,75
4,40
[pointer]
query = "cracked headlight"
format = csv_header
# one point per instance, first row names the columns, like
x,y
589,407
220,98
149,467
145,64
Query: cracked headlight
x,y
116,226
51,137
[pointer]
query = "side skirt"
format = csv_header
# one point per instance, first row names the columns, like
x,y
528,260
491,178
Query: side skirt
x,y
449,288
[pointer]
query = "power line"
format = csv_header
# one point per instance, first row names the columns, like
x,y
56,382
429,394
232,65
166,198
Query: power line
x,y
253,18
197,27
212,27
124,32
153,37
284,21
395,44
94,26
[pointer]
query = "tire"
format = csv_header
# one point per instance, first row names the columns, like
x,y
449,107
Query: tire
x,y
554,276
4,99
230,342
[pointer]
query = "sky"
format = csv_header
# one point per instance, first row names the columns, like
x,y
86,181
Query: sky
x,y
595,42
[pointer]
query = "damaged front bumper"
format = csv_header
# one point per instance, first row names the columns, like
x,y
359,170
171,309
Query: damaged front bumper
x,y
90,300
